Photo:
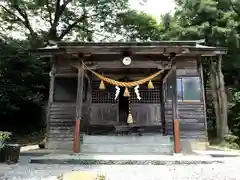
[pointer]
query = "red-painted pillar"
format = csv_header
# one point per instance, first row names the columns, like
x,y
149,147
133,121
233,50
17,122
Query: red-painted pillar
x,y
76,142
177,148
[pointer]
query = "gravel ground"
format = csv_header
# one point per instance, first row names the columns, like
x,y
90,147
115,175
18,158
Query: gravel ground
x,y
225,171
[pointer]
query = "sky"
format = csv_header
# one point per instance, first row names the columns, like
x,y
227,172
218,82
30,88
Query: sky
x,y
154,7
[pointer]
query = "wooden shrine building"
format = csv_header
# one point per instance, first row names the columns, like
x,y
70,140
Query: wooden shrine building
x,y
120,91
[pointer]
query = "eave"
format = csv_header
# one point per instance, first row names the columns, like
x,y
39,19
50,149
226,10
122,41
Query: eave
x,y
186,48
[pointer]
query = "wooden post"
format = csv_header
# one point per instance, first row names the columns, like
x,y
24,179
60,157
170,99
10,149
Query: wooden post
x,y
203,96
176,133
76,144
50,99
176,136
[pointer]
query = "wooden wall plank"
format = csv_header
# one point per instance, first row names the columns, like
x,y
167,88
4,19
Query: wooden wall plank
x,y
61,124
191,114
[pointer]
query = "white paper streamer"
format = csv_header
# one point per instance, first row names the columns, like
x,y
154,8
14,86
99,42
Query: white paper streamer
x,y
117,92
137,92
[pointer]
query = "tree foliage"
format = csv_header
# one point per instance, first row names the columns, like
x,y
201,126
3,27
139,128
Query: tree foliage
x,y
23,86
138,26
217,21
83,20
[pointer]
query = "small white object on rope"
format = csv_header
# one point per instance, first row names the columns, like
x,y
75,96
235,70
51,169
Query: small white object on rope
x,y
117,92
137,92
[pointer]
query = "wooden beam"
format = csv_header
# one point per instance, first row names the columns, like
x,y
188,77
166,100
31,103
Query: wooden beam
x,y
66,75
135,64
141,50
117,75
168,74
78,108
116,50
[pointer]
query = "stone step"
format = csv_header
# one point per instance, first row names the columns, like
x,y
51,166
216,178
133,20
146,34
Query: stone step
x,y
127,148
104,139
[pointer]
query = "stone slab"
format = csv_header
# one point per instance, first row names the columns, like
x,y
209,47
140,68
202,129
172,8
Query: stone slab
x,y
127,148
104,139
87,159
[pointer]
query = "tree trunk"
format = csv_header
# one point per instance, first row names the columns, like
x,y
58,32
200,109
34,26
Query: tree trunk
x,y
213,83
223,100
220,98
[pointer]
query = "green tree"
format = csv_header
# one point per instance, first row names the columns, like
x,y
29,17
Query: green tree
x,y
138,26
216,21
23,87
55,20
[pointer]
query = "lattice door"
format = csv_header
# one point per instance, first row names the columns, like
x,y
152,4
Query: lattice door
x,y
149,96
104,109
103,96
147,111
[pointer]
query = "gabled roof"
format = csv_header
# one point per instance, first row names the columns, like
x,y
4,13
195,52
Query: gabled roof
x,y
152,47
129,44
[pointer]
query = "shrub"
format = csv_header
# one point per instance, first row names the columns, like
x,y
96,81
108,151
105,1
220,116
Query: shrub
x,y
231,141
231,138
4,136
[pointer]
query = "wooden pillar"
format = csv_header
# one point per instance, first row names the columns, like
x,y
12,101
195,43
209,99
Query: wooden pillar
x,y
177,147
176,132
76,144
165,84
174,91
203,95
50,98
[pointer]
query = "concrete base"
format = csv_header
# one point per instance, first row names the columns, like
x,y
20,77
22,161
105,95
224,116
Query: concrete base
x,y
63,145
124,159
146,144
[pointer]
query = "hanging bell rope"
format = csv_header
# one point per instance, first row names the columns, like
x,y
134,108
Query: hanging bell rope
x,y
128,84
130,118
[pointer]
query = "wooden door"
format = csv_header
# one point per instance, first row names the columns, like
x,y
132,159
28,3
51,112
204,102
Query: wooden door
x,y
146,114
103,114
104,109
147,111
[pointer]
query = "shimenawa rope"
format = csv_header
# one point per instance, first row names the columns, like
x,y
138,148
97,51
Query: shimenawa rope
x,y
128,84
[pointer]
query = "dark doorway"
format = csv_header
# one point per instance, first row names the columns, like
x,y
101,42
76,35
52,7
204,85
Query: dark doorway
x,y
123,106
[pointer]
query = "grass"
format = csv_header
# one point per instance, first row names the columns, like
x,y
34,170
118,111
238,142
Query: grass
x,y
226,144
